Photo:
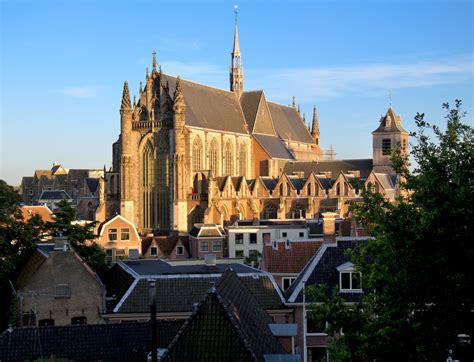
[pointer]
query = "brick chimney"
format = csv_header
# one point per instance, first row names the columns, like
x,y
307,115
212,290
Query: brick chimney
x,y
329,227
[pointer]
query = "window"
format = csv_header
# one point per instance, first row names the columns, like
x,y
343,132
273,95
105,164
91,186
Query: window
x,y
179,250
216,246
239,253
213,157
349,279
62,291
125,234
76,321
286,282
203,246
242,160
109,253
197,154
46,322
153,251
315,325
301,234
120,254
284,234
253,252
228,159
112,234
253,238
386,146
239,238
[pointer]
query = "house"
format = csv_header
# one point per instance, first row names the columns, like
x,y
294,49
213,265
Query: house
x,y
172,247
43,211
56,287
205,239
285,259
329,266
229,324
119,237
181,285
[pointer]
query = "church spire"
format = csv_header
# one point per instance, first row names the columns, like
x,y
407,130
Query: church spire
x,y
126,104
315,127
154,60
236,70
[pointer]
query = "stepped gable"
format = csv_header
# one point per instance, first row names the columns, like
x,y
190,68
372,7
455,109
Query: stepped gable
x,y
208,107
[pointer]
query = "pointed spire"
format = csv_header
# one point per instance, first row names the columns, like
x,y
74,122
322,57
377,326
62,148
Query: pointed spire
x,y
236,49
141,87
236,70
154,60
178,98
293,102
146,72
304,118
134,102
126,104
315,125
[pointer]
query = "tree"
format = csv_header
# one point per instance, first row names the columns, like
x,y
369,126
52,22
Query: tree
x,y
418,271
80,236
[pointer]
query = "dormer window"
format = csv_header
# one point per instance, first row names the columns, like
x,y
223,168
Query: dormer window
x,y
349,279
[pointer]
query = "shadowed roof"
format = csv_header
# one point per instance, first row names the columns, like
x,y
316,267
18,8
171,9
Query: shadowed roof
x,y
288,123
273,146
335,167
291,259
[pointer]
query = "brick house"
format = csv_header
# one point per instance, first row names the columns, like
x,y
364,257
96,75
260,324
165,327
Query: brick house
x,y
205,239
56,287
172,247
118,236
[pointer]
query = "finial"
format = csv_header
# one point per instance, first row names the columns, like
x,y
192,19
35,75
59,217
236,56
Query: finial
x,y
141,87
315,125
146,72
293,103
299,110
178,98
236,7
304,118
134,101
125,97
390,97
154,59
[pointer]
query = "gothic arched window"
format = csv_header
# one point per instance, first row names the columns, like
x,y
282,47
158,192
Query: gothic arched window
x,y
197,154
228,159
242,160
213,157
269,212
148,183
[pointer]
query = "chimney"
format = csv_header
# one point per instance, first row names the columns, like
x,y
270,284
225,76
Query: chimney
x,y
210,259
329,227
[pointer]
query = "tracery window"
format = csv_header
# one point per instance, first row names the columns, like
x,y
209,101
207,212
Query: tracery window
x,y
197,154
228,159
242,160
269,212
213,157
148,178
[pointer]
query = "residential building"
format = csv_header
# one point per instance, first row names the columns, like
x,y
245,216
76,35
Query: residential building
x,y
171,247
56,287
43,211
205,239
119,238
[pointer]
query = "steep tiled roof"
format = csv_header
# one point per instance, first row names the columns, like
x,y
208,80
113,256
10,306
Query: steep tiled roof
x,y
208,107
269,182
291,259
101,342
289,124
322,269
335,167
393,126
43,211
229,324
273,146
54,195
249,102
27,180
297,182
92,183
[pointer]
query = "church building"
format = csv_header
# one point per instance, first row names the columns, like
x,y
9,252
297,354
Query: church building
x,y
190,153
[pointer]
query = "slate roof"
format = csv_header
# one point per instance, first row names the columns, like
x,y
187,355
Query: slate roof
x,y
54,195
297,182
288,123
100,342
289,260
388,181
206,230
27,180
269,182
395,124
249,102
335,167
273,146
166,243
92,183
208,107
229,324
322,269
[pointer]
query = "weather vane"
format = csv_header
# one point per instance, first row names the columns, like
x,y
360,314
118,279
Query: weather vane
x,y
236,7
390,96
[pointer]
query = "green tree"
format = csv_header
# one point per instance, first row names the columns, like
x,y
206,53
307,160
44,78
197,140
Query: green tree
x,y
81,237
418,270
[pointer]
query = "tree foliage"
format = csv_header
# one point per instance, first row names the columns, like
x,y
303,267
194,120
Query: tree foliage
x,y
418,272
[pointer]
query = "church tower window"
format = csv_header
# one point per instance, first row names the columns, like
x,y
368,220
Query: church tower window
x,y
228,159
213,157
386,146
197,154
148,178
242,160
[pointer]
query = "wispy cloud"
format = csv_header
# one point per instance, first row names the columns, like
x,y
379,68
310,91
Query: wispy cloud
x,y
81,92
333,82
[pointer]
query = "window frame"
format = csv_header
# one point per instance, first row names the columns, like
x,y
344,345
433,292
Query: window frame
x,y
349,269
253,235
201,244
127,231
180,247
155,249
214,244
291,281
240,239
386,146
111,232
67,288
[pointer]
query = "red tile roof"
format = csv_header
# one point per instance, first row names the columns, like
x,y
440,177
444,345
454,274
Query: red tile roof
x,y
43,211
289,260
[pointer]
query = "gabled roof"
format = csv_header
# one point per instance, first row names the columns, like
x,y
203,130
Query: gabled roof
x,y
92,183
104,224
30,268
249,102
290,259
335,167
54,195
288,123
268,182
43,211
228,324
273,146
100,342
322,269
297,182
386,180
208,107
27,180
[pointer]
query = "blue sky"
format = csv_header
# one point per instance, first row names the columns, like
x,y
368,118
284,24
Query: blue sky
x,y
63,64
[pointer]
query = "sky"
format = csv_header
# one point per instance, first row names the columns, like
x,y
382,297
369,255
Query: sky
x,y
63,64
